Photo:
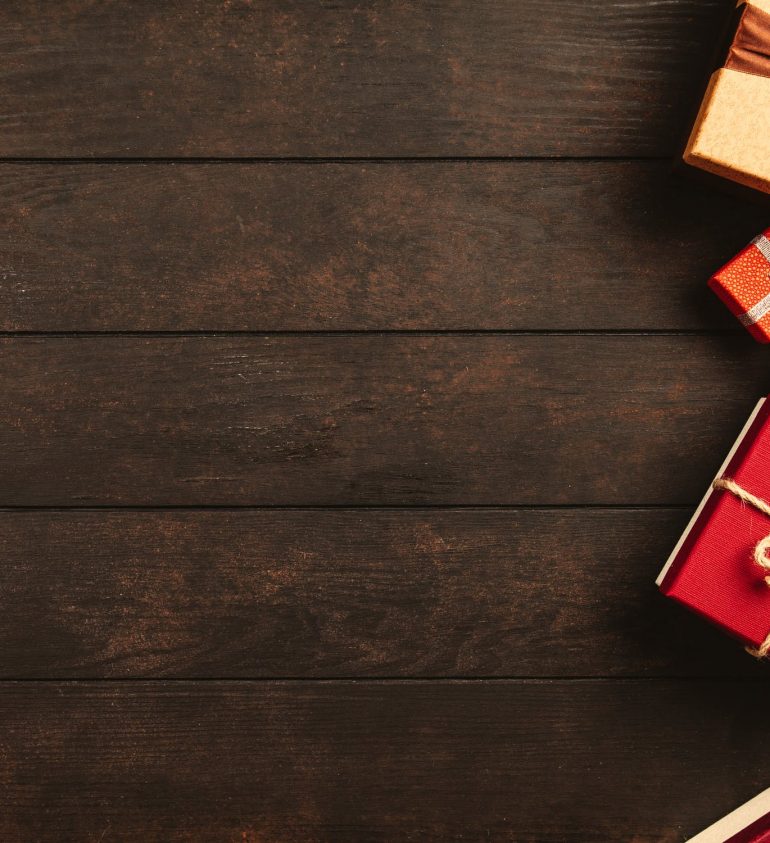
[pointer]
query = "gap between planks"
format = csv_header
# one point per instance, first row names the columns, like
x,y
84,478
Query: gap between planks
x,y
444,507
418,332
348,159
389,680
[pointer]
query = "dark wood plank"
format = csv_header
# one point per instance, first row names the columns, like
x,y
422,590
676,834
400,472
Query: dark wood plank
x,y
347,593
514,245
371,419
555,762
198,78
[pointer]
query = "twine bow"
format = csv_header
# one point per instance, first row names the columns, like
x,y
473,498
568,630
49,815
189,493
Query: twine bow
x,y
761,549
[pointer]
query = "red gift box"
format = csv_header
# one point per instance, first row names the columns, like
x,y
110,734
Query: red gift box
x,y
749,824
714,569
744,286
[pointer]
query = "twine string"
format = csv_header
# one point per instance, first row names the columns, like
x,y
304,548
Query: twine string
x,y
761,554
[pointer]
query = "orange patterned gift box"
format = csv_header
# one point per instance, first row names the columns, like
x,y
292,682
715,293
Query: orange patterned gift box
x,y
744,286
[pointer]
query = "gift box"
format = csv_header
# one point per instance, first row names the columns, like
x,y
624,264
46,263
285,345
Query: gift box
x,y
720,568
731,135
744,286
748,824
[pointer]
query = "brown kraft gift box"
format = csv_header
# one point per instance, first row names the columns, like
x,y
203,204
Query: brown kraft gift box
x,y
731,135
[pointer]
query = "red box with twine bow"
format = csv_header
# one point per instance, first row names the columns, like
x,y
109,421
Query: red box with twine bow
x,y
744,286
720,568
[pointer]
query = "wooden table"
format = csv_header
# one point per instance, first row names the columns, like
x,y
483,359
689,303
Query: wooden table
x,y
357,375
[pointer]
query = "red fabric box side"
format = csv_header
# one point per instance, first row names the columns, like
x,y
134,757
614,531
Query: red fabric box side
x,y
711,570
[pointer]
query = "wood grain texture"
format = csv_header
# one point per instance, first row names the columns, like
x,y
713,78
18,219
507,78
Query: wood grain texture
x,y
367,419
363,428
270,247
362,761
347,593
239,78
